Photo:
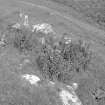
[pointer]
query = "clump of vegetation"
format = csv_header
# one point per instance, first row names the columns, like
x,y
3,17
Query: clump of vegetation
x,y
19,38
64,60
78,54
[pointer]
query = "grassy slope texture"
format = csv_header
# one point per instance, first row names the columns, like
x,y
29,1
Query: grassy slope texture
x,y
56,61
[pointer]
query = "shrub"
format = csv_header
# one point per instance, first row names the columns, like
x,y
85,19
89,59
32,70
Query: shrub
x,y
77,54
45,63
63,61
20,39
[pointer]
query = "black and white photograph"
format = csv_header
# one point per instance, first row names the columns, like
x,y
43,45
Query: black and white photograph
x,y
52,52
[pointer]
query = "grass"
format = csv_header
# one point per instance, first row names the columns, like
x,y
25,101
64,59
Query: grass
x,y
60,63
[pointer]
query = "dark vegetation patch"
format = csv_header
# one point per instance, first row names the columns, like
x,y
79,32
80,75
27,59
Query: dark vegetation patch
x,y
20,38
64,61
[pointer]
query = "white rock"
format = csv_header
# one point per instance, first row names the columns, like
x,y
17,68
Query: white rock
x,y
33,79
68,98
44,27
